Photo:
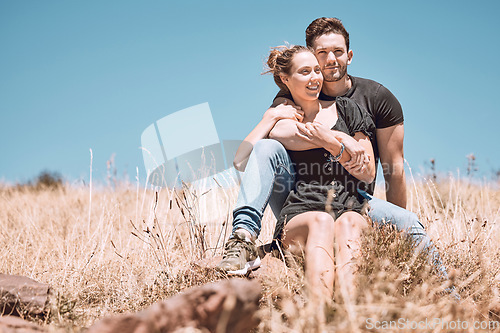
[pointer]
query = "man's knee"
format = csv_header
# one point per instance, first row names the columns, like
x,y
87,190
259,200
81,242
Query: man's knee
x,y
409,222
383,212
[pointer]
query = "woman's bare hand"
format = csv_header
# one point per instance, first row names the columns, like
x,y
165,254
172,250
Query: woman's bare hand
x,y
285,111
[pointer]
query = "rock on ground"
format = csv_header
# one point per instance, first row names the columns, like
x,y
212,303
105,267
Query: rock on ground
x,y
11,324
20,295
223,306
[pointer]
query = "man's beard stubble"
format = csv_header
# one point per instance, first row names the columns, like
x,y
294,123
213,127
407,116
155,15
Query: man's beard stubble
x,y
337,76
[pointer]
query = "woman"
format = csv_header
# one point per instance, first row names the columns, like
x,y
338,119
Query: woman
x,y
322,214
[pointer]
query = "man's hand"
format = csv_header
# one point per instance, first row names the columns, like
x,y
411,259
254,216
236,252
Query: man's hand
x,y
359,157
315,133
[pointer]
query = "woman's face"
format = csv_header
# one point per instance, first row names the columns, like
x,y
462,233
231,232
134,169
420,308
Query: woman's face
x,y
305,78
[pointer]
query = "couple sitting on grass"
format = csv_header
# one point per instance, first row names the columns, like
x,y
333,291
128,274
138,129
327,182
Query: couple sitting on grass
x,y
313,159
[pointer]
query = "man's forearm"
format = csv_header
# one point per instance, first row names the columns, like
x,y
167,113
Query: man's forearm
x,y
294,143
285,131
395,190
390,146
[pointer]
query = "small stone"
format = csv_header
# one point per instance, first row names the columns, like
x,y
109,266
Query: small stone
x,y
20,295
11,324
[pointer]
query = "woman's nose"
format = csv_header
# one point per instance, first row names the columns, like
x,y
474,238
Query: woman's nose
x,y
317,77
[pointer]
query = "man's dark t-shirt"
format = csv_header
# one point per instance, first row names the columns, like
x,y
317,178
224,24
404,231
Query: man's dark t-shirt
x,y
382,106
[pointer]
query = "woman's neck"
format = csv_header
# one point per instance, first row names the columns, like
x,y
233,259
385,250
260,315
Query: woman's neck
x,y
310,108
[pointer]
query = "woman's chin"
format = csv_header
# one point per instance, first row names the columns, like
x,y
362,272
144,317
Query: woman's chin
x,y
308,96
313,95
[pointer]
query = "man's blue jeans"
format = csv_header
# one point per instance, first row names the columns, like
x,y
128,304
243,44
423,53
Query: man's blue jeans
x,y
269,177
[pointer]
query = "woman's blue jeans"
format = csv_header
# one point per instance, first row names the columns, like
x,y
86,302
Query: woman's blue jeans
x,y
268,178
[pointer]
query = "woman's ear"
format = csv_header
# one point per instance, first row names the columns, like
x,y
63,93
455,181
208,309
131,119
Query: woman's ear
x,y
284,79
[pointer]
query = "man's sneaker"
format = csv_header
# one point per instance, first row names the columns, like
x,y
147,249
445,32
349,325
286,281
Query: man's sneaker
x,y
240,255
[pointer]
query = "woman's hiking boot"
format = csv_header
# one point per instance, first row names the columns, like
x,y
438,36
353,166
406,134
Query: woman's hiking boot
x,y
240,255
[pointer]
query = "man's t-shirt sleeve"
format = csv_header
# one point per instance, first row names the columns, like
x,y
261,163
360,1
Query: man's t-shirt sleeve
x,y
389,111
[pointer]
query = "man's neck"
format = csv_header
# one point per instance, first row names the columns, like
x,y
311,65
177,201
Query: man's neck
x,y
337,88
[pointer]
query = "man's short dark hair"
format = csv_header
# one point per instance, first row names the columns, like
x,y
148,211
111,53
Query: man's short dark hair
x,y
325,25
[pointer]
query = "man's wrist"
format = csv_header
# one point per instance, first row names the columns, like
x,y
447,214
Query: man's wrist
x,y
396,188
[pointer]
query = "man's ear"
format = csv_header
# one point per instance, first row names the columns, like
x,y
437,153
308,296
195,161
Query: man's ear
x,y
349,57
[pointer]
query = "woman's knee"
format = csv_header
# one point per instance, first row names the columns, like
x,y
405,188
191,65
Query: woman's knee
x,y
350,222
323,222
268,148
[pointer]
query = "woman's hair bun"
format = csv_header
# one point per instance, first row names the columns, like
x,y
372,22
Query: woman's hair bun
x,y
274,54
280,61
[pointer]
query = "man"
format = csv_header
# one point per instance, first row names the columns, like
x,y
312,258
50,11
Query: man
x,y
268,162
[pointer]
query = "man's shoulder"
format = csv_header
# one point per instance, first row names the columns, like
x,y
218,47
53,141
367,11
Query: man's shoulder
x,y
379,101
361,82
370,89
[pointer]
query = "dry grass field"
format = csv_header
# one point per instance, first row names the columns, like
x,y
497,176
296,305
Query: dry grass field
x,y
108,250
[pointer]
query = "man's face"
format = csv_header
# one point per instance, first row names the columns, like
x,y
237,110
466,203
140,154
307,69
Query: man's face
x,y
333,56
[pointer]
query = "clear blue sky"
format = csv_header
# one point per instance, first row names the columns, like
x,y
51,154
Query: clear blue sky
x,y
76,75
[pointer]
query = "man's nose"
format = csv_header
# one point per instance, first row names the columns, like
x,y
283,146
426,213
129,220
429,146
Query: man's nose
x,y
331,57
